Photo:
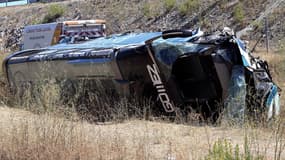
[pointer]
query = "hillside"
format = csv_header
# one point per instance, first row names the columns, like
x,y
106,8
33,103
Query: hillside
x,y
157,15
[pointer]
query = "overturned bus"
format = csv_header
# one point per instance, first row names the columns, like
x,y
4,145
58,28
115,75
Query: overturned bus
x,y
178,70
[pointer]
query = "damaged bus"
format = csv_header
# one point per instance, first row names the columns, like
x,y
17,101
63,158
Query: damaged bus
x,y
178,70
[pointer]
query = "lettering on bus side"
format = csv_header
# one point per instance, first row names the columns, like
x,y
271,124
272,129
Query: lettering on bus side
x,y
157,83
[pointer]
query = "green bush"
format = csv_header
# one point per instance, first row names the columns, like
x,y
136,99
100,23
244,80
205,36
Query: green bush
x,y
239,14
189,6
54,11
224,150
147,10
257,25
169,4
35,21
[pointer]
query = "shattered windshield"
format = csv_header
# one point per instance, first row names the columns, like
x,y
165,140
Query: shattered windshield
x,y
167,51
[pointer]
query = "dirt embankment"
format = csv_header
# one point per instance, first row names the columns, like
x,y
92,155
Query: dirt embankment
x,y
146,15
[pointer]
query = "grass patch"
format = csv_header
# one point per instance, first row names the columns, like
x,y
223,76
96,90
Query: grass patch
x,y
169,4
152,10
42,137
147,10
225,150
188,7
57,135
239,14
54,11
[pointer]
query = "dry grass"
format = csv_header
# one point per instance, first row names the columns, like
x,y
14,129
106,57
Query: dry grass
x,y
50,135
27,136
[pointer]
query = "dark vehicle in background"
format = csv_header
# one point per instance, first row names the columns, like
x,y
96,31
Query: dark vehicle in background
x,y
181,71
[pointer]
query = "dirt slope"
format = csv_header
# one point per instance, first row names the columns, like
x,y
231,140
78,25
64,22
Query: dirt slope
x,y
156,15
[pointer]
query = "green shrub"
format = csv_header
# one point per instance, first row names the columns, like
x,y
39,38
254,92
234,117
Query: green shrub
x,y
188,6
224,150
54,11
169,4
239,14
35,21
257,25
146,10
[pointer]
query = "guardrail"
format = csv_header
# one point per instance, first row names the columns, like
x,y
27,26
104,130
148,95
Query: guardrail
x,y
6,3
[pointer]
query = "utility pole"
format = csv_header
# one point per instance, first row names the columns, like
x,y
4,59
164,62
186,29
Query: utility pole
x,y
266,34
6,3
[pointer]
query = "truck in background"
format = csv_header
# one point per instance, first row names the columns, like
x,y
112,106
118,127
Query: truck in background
x,y
44,35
